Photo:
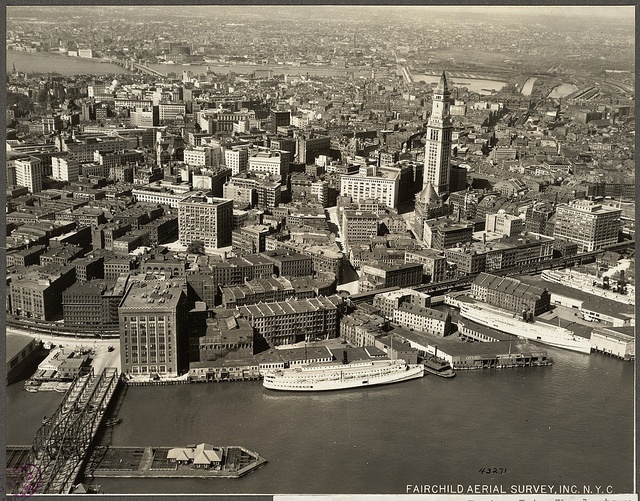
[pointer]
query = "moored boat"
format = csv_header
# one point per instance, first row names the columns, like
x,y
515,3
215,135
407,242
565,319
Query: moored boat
x,y
337,376
509,323
32,386
438,367
113,421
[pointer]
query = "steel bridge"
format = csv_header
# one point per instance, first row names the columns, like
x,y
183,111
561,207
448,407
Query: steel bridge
x,y
62,442
145,69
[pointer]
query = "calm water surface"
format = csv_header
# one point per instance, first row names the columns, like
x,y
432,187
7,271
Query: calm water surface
x,y
473,84
571,423
65,65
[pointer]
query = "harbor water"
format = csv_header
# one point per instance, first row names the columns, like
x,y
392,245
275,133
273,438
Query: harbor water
x,y
567,424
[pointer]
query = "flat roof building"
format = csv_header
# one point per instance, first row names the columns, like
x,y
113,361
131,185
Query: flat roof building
x,y
153,336
589,224
207,219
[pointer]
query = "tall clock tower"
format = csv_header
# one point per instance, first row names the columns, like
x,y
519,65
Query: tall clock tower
x,y
438,140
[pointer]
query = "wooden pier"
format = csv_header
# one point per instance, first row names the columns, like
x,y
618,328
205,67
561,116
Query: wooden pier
x,y
152,462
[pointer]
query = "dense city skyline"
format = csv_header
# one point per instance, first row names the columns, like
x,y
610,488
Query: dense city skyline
x,y
315,202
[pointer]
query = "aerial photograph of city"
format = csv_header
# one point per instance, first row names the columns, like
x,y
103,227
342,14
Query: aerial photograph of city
x,y
320,250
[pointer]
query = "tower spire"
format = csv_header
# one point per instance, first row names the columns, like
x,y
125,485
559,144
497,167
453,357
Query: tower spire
x,y
443,85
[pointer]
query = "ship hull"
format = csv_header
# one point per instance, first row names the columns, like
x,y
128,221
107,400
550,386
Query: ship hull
x,y
335,378
540,333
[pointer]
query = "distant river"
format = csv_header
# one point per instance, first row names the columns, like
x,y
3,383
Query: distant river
x,y
570,423
480,86
65,65
563,90
40,62
528,86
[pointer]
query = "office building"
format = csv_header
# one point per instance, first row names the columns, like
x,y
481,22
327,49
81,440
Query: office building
x,y
589,224
428,205
382,276
37,293
387,302
278,119
290,264
358,226
274,163
419,318
504,224
64,169
206,219
249,239
245,188
382,185
236,159
153,323
443,234
29,173
93,303
433,261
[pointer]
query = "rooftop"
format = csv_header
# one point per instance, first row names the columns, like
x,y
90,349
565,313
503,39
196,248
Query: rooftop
x,y
15,344
155,294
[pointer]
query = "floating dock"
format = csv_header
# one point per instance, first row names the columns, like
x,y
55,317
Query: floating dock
x,y
152,462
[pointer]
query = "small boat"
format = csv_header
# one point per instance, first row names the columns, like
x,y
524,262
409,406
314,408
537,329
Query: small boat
x,y
44,420
32,386
438,367
113,422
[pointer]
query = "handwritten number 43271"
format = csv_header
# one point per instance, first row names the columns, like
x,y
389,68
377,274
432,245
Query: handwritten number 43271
x,y
495,471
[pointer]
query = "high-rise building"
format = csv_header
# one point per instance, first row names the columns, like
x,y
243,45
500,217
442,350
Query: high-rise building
x,y
275,163
278,119
237,160
589,224
29,173
438,140
153,323
206,219
359,226
65,169
382,185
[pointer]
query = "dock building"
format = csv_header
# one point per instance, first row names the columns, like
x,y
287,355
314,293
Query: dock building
x,y
510,294
419,318
291,321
